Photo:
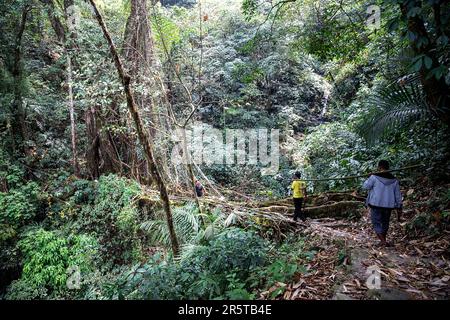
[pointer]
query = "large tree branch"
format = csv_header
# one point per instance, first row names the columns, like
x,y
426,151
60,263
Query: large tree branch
x,y
142,133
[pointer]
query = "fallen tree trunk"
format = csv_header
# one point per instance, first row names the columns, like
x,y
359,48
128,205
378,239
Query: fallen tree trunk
x,y
316,200
324,198
279,202
342,209
338,209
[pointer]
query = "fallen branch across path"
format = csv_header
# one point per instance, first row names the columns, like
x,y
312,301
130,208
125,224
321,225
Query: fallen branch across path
x,y
314,200
276,209
337,209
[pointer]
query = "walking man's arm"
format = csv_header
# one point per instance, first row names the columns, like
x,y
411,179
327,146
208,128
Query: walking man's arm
x,y
368,184
398,201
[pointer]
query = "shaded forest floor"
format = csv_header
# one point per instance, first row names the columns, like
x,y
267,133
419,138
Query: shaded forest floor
x,y
340,236
411,269
415,267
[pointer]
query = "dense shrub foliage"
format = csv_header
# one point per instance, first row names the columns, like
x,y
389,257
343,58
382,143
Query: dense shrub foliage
x,y
113,216
18,207
47,256
232,265
218,269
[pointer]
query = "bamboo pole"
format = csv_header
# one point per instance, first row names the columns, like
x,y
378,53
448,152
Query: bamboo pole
x,y
365,175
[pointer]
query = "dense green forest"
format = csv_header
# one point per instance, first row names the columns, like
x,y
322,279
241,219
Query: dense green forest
x,y
102,106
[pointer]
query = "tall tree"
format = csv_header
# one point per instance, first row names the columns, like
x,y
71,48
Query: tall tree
x,y
19,121
142,133
139,57
67,37
69,12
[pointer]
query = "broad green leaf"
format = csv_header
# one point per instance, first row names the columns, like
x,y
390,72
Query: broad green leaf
x,y
417,65
428,62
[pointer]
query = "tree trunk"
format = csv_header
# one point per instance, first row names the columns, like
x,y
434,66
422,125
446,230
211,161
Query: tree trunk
x,y
54,20
19,120
138,42
102,154
93,151
60,32
69,47
142,133
140,57
140,61
73,133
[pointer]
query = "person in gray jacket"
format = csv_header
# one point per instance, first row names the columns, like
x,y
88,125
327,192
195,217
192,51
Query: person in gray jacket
x,y
384,196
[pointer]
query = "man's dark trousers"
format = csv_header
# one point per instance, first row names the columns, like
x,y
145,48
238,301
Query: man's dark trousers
x,y
298,212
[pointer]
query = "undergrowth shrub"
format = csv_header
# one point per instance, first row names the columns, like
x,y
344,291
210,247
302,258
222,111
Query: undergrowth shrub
x,y
187,224
18,206
47,255
113,216
434,218
217,270
331,150
19,201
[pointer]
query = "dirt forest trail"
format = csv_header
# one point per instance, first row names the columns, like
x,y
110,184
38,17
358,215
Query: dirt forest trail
x,y
347,253
339,232
411,269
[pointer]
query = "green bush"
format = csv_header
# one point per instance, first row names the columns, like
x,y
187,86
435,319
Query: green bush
x,y
422,224
235,264
332,150
113,216
285,261
231,249
154,281
11,175
68,196
17,208
103,284
217,270
187,224
19,205
24,290
48,255
434,218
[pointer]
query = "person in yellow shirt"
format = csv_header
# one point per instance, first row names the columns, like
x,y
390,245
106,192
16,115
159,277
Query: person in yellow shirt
x,y
299,194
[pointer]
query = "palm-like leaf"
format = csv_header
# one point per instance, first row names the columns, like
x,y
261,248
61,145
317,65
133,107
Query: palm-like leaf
x,y
397,106
186,223
187,227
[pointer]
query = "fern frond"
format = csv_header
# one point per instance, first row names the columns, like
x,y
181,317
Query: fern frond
x,y
186,221
399,105
187,226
